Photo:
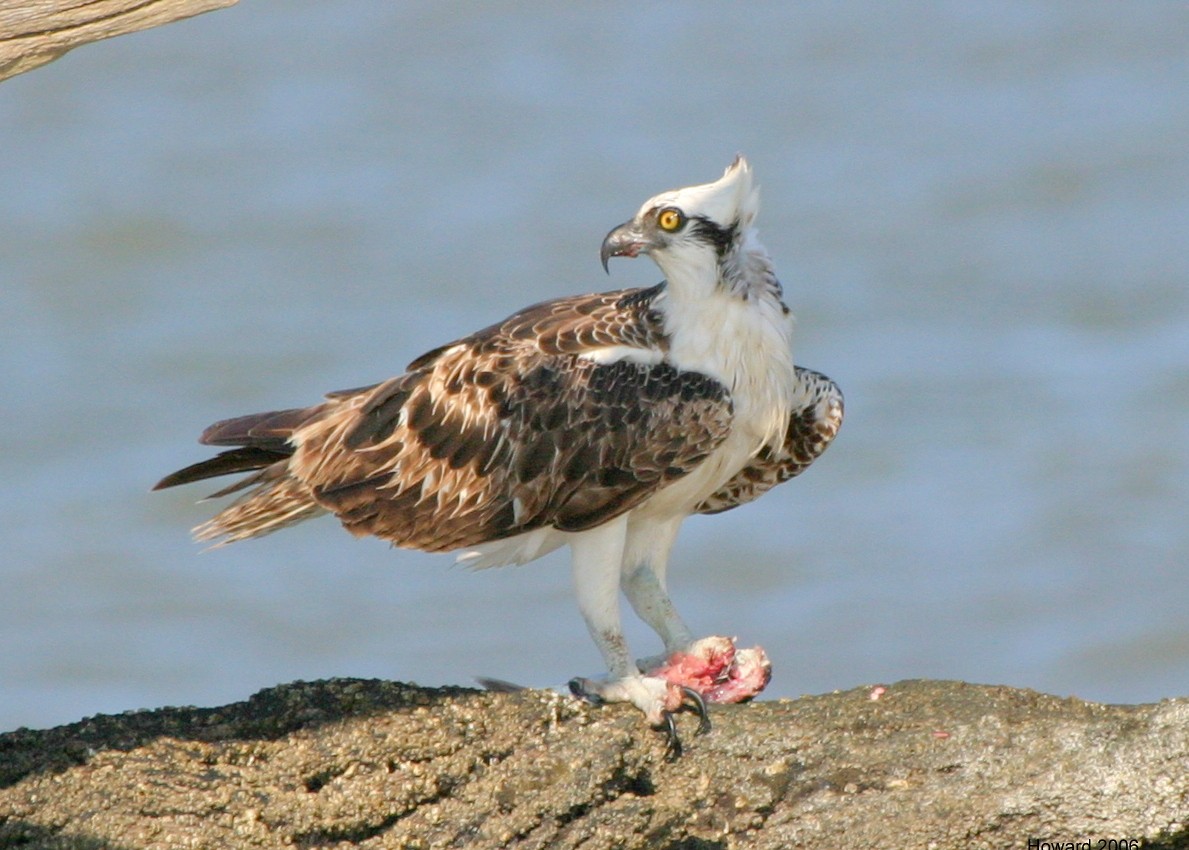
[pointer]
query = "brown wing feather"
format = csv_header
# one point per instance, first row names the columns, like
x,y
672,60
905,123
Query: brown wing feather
x,y
262,440
501,432
510,430
812,426
262,430
224,463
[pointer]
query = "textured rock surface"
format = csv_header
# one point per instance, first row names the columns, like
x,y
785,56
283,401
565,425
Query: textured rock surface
x,y
379,764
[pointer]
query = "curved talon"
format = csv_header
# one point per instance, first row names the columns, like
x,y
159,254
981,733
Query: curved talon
x,y
673,748
650,696
691,700
694,699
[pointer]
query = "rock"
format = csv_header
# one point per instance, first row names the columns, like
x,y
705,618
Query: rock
x,y
381,764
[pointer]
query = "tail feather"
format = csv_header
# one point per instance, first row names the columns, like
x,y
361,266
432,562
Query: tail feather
x,y
261,446
269,473
270,507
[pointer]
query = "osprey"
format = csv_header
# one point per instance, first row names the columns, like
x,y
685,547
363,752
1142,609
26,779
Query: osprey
x,y
594,421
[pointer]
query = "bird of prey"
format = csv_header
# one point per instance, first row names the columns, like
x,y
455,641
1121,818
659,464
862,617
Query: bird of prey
x,y
595,421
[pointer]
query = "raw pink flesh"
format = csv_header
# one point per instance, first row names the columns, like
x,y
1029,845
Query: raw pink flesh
x,y
717,670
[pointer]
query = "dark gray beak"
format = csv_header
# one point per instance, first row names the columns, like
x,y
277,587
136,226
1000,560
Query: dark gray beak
x,y
624,241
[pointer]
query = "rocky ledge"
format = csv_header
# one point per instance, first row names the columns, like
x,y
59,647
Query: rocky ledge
x,y
340,763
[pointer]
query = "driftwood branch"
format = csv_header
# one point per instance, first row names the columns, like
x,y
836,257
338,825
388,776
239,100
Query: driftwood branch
x,y
942,765
33,32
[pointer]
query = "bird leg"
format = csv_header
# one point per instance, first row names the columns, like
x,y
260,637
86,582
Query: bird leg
x,y
713,666
646,592
692,672
597,556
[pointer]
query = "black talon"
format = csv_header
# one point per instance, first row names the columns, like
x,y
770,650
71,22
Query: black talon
x,y
694,698
693,701
578,687
673,748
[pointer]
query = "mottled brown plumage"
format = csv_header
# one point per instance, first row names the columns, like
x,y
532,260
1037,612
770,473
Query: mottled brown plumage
x,y
812,426
499,433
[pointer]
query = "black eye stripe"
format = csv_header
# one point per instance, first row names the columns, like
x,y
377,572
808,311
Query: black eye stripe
x,y
717,235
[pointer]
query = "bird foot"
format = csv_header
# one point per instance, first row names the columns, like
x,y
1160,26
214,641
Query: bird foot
x,y
717,670
656,697
711,669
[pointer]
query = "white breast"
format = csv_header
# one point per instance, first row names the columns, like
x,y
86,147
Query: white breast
x,y
746,345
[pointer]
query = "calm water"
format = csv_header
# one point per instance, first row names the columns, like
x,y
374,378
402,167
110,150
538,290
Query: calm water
x,y
979,211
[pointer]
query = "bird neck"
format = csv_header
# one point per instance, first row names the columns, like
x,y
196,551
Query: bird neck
x,y
744,270
725,318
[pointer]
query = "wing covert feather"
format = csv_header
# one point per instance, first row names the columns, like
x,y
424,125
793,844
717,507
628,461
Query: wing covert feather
x,y
511,429
812,426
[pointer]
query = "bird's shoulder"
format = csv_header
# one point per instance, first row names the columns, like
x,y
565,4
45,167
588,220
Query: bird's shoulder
x,y
572,324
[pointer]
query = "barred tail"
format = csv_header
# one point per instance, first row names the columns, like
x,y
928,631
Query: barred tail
x,y
270,506
262,446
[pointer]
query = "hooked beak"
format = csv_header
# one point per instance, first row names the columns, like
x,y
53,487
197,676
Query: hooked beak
x,y
624,241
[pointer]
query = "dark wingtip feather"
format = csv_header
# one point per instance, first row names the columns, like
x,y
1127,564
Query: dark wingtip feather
x,y
225,463
167,481
270,430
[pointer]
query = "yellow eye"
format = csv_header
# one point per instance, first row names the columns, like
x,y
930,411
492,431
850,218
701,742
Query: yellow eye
x,y
670,219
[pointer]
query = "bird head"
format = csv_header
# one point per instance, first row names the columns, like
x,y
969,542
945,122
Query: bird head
x,y
697,225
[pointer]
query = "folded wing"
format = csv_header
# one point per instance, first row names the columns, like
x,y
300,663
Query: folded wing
x,y
813,424
564,416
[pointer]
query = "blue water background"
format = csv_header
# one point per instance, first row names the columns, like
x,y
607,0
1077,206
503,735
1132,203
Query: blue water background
x,y
980,212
